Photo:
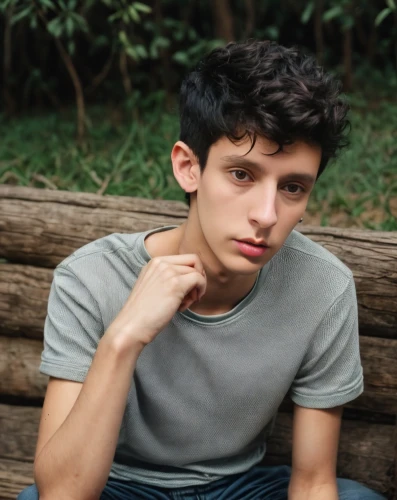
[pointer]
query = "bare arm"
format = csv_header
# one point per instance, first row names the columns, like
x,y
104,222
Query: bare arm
x,y
314,454
80,423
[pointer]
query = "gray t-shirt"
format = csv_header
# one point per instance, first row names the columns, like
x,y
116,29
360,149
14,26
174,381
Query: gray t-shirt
x,y
206,391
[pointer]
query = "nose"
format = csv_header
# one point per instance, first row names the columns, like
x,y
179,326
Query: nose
x,y
263,210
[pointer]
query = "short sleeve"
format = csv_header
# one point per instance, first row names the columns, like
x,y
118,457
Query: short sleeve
x,y
331,372
73,328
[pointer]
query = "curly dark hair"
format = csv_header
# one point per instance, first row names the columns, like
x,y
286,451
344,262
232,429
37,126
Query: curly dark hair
x,y
259,88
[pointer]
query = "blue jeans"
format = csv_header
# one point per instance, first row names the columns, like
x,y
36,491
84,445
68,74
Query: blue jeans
x,y
259,483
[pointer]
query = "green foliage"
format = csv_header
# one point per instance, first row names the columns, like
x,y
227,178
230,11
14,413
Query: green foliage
x,y
391,7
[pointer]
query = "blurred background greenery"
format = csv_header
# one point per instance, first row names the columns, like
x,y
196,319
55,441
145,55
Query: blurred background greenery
x,y
89,92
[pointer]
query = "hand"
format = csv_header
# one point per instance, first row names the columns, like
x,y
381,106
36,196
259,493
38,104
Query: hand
x,y
166,285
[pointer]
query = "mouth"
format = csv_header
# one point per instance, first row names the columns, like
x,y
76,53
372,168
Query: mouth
x,y
252,248
256,243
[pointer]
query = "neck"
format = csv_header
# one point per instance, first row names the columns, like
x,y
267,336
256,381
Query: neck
x,y
224,289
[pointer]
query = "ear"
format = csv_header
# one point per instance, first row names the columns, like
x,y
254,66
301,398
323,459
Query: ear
x,y
185,166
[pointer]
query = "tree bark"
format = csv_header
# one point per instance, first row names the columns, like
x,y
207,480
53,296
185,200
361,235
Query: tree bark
x,y
78,88
19,369
223,20
15,476
348,60
250,19
318,30
9,103
123,64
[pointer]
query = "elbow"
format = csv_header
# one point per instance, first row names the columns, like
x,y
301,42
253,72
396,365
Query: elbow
x,y
64,487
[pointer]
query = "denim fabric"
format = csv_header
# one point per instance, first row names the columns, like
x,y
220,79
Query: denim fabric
x,y
259,483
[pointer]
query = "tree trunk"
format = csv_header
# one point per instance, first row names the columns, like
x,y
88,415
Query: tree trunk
x,y
250,19
123,64
78,88
9,103
347,60
318,30
223,20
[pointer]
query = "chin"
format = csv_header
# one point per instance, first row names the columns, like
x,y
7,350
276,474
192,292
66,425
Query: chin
x,y
243,266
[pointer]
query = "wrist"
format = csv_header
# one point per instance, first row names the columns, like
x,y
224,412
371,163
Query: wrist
x,y
121,343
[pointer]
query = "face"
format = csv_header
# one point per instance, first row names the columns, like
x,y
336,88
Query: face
x,y
246,205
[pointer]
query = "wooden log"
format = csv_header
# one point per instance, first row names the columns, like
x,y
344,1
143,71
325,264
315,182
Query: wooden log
x,y
42,227
18,431
15,476
24,294
366,451
20,360
19,369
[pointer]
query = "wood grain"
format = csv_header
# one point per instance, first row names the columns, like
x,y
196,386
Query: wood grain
x,y
15,476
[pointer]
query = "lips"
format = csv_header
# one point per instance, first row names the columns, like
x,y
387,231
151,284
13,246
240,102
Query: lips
x,y
250,249
260,243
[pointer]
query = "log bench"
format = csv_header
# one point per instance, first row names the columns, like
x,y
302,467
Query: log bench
x,y
38,228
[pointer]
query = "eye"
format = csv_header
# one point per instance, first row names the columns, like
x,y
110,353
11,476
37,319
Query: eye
x,y
293,188
240,175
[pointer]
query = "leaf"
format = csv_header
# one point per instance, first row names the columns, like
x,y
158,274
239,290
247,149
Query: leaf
x,y
132,52
55,28
80,22
71,47
21,15
134,14
47,3
391,4
123,38
33,22
272,32
69,26
181,58
153,51
307,13
142,7
382,15
141,51
332,13
161,42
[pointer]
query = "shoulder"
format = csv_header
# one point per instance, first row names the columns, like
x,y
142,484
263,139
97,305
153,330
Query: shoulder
x,y
310,270
110,245
303,249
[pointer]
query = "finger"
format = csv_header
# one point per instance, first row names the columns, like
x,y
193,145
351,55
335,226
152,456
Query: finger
x,y
191,260
193,281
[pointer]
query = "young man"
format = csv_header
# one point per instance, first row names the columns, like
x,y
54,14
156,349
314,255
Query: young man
x,y
170,351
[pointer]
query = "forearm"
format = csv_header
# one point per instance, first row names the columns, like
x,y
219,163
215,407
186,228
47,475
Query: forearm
x,y
76,461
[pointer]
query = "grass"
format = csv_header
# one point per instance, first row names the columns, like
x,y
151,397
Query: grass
x,y
128,154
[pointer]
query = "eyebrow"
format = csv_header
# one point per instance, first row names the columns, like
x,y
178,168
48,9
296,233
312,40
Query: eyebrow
x,y
239,161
